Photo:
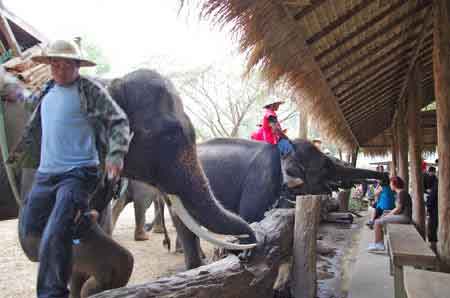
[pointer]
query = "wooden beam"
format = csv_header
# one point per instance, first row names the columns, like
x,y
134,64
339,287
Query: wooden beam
x,y
379,80
389,64
366,42
415,149
380,62
394,151
441,71
308,9
359,112
402,129
368,98
339,21
375,20
362,115
9,35
426,22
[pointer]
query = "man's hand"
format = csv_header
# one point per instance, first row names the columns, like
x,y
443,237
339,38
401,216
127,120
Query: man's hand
x,y
113,171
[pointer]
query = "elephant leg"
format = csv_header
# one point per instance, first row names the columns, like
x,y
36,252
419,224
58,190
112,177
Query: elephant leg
x,y
76,284
117,208
158,225
108,264
140,209
190,243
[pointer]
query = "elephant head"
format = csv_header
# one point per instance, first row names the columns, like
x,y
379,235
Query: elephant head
x,y
163,153
322,173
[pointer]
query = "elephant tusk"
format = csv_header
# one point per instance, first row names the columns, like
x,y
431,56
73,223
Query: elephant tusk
x,y
187,219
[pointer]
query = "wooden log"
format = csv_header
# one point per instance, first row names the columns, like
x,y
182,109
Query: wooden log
x,y
9,35
441,74
394,150
402,145
229,277
306,225
415,98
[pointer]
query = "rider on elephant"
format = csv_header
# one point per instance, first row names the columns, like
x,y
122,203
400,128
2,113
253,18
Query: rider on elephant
x,y
272,133
75,132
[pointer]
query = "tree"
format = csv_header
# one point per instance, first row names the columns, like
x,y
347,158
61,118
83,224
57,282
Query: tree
x,y
95,53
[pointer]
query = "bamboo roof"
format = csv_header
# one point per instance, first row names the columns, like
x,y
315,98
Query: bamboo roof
x,y
347,60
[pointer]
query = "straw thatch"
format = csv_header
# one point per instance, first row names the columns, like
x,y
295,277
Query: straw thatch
x,y
348,61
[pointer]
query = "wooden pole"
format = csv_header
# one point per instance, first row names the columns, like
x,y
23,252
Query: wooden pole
x,y
402,145
415,99
307,217
9,35
302,123
394,150
441,74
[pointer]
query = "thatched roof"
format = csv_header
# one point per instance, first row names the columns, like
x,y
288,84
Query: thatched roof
x,y
347,60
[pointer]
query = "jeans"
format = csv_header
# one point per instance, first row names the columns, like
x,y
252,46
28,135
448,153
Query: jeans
x,y
49,211
285,147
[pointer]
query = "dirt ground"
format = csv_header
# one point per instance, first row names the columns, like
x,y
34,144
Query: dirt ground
x,y
152,260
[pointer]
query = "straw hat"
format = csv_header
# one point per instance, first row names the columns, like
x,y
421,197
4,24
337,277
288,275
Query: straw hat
x,y
62,49
272,102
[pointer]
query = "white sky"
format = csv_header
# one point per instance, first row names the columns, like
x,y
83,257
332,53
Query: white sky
x,y
129,32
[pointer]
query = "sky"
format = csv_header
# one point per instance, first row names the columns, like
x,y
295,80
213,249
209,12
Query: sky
x,y
131,32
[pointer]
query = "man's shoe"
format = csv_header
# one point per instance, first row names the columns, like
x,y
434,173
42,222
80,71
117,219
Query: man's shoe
x,y
374,247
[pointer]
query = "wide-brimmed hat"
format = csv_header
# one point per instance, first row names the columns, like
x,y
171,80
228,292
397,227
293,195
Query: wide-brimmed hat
x,y
62,49
272,102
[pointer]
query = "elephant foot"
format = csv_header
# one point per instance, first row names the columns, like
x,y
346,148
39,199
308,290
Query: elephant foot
x,y
141,235
157,228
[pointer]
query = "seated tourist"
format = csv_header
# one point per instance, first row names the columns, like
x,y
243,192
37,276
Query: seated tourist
x,y
384,201
400,214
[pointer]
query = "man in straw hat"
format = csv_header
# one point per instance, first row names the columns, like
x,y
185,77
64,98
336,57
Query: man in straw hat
x,y
272,133
75,132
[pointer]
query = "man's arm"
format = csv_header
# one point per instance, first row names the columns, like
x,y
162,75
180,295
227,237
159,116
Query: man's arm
x,y
116,127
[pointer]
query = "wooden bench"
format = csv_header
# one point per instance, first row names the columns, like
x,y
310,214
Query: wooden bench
x,y
407,248
422,283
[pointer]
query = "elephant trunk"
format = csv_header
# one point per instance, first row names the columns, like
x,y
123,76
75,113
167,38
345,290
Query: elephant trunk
x,y
197,197
349,174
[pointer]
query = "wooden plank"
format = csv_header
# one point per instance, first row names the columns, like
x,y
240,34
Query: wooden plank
x,y
370,98
366,42
422,283
310,8
408,248
339,21
374,21
371,112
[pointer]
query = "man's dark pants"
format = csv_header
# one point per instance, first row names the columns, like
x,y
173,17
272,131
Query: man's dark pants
x,y
50,210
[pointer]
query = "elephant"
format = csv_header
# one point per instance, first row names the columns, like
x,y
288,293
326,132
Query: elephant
x,y
163,153
246,178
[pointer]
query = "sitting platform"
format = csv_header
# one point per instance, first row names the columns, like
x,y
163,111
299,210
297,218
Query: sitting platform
x,y
423,283
407,248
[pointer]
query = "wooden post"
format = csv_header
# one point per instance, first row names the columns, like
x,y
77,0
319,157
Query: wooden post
x,y
394,150
441,74
402,145
302,123
415,99
307,216
9,35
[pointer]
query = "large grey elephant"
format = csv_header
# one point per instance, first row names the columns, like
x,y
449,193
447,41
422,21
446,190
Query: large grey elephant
x,y
245,177
163,153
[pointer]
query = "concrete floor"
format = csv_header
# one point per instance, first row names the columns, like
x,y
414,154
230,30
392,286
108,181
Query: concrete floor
x,y
370,276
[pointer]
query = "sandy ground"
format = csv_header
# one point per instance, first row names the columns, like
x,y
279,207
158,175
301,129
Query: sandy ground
x,y
152,260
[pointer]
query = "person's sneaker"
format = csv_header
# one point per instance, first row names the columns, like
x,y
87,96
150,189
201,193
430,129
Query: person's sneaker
x,y
370,224
373,247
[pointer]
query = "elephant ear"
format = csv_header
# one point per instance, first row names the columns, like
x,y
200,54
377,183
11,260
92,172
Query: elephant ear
x,y
117,91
